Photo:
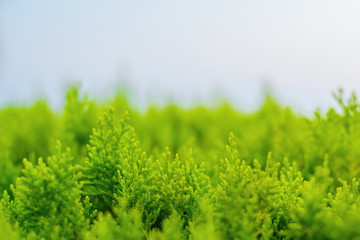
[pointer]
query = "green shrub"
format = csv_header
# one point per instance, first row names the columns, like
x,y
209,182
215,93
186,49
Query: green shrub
x,y
117,169
164,174
47,198
125,224
6,229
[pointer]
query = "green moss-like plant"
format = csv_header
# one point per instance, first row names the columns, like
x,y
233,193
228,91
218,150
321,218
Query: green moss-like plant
x,y
281,176
47,198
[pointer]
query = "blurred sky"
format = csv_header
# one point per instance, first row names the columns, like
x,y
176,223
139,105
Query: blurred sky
x,y
188,51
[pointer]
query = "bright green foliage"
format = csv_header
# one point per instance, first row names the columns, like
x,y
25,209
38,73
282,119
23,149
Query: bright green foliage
x,y
79,118
175,173
171,229
113,153
247,197
178,185
337,136
316,209
116,169
204,225
9,171
26,131
47,198
6,230
125,225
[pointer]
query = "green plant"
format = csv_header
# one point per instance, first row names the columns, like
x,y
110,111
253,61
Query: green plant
x,y
164,174
47,198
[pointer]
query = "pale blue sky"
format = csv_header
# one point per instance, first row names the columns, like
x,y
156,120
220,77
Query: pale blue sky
x,y
184,50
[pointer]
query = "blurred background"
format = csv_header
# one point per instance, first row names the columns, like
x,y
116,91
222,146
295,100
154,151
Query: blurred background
x,y
184,51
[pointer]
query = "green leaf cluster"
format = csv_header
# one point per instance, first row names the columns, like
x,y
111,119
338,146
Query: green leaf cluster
x,y
179,173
